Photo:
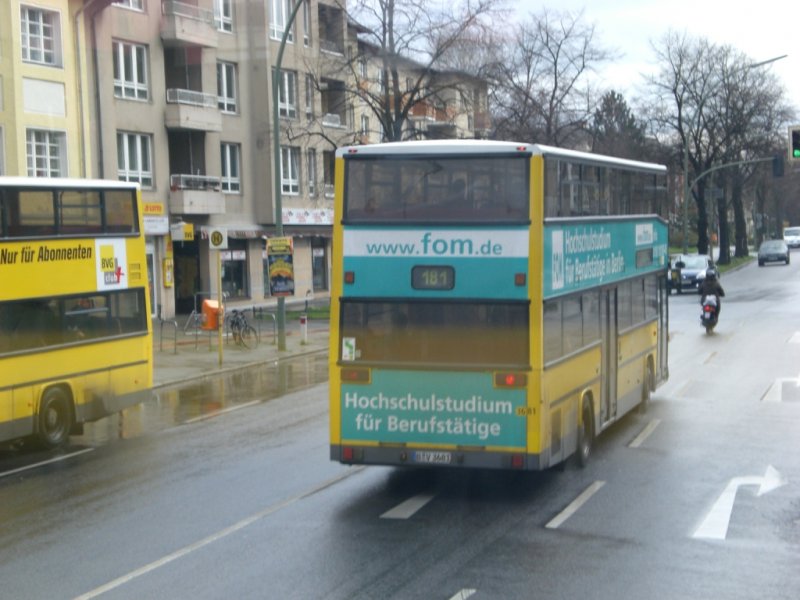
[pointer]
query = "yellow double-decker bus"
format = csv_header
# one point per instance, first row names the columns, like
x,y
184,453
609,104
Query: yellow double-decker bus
x,y
494,304
75,329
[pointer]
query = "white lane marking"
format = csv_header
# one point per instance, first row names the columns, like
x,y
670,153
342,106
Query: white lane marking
x,y
406,509
639,439
46,462
221,412
565,514
463,594
120,581
715,525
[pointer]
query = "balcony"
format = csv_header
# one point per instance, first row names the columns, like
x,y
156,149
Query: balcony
x,y
331,120
187,25
195,195
187,109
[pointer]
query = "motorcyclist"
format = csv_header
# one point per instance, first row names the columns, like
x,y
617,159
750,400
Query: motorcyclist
x,y
712,287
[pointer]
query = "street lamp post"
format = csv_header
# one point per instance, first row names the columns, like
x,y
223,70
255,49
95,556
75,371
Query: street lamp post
x,y
276,164
687,186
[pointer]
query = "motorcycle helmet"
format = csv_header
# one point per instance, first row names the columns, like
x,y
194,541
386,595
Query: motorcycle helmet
x,y
711,275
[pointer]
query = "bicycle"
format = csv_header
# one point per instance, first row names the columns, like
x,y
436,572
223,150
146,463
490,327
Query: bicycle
x,y
243,333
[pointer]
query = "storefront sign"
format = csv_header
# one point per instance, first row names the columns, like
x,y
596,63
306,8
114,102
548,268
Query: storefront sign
x,y
182,232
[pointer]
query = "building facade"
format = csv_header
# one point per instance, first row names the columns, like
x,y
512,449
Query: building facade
x,y
177,96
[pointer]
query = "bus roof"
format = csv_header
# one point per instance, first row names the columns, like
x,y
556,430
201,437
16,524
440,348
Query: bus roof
x,y
65,182
456,147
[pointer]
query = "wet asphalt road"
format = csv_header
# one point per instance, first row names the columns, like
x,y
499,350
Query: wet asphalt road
x,y
225,490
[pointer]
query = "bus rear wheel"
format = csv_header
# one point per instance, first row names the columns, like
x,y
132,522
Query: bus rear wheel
x,y
585,434
54,418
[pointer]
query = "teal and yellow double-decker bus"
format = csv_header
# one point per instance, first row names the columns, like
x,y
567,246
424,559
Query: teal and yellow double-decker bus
x,y
494,304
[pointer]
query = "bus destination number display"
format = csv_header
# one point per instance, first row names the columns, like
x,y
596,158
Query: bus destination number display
x,y
433,277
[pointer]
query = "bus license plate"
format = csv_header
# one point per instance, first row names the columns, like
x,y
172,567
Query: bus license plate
x,y
433,458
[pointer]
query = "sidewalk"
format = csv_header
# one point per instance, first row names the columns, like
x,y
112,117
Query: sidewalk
x,y
180,357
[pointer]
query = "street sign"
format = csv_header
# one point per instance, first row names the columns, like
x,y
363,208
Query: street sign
x,y
218,238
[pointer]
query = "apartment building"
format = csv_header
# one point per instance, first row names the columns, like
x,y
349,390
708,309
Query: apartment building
x,y
178,97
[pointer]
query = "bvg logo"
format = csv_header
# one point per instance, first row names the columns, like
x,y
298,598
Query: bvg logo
x,y
112,271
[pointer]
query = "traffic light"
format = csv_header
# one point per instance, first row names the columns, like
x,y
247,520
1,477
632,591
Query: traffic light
x,y
794,143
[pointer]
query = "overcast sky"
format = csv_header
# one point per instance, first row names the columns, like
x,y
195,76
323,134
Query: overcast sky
x,y
762,30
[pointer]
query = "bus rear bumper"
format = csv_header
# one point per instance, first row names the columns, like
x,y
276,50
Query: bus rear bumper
x,y
468,458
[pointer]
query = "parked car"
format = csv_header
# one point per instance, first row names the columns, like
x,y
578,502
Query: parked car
x,y
773,251
691,269
791,235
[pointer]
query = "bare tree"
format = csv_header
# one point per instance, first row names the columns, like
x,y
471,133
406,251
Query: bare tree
x,y
541,85
715,108
415,43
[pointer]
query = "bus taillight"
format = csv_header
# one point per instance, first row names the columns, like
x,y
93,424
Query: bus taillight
x,y
510,380
355,375
520,279
349,277
517,461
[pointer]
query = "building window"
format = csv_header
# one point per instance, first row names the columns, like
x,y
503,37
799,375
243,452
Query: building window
x,y
2,157
319,264
306,24
287,94
226,87
41,36
46,152
364,125
130,71
281,9
309,96
223,15
362,69
134,4
290,170
134,158
234,269
312,172
231,178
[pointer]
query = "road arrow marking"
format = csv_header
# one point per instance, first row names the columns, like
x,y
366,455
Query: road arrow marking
x,y
775,391
715,525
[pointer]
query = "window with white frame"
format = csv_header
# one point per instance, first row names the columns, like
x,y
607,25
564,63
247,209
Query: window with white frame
x,y
130,71
364,125
223,15
134,4
362,68
309,96
231,177
311,159
290,170
226,86
381,82
281,9
306,24
40,36
287,94
134,158
46,153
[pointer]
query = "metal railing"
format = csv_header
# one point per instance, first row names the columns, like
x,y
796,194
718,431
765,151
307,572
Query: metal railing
x,y
194,182
191,98
172,8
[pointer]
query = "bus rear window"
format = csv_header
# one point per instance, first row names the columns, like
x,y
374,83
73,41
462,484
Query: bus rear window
x,y
451,334
437,189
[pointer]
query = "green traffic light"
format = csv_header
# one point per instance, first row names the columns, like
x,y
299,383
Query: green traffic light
x,y
796,153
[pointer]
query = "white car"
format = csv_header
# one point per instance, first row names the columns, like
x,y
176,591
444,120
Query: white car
x,y
791,235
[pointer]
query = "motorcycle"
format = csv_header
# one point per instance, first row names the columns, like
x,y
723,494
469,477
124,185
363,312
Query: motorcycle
x,y
708,318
